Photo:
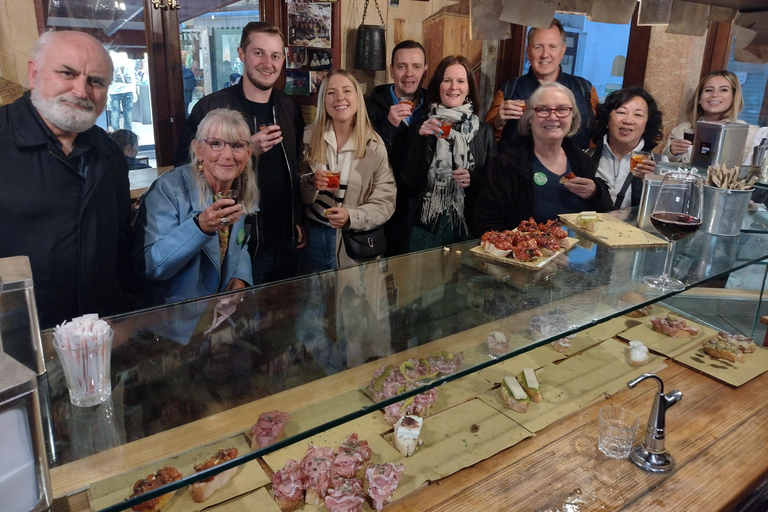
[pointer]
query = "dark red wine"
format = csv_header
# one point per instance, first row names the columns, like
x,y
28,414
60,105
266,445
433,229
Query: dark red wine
x,y
675,226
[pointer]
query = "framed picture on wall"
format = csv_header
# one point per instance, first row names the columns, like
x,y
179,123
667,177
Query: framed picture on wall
x,y
297,82
295,57
309,25
319,60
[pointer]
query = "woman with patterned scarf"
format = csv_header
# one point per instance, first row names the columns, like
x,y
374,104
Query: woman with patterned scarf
x,y
448,157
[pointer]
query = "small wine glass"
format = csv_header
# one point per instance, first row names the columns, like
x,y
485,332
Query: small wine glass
x,y
676,215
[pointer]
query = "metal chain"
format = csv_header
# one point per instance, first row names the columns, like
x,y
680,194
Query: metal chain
x,y
365,10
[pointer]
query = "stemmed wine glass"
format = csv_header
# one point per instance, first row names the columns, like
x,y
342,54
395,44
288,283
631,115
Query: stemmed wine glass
x,y
676,215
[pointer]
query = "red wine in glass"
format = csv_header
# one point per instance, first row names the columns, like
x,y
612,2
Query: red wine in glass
x,y
675,226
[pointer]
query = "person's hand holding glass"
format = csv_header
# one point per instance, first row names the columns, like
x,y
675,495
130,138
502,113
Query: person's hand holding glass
x,y
676,215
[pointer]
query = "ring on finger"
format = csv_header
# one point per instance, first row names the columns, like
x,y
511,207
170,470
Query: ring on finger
x,y
224,221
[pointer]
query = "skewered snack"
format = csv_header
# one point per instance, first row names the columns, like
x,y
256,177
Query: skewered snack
x,y
381,481
200,491
673,326
530,384
497,343
162,477
722,177
730,347
288,486
269,428
407,431
513,395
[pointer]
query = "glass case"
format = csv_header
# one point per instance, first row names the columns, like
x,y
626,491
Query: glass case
x,y
217,362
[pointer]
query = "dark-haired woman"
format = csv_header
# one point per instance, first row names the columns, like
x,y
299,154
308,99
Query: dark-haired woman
x,y
448,162
629,120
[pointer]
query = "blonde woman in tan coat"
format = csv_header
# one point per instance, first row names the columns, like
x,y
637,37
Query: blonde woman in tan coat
x,y
348,184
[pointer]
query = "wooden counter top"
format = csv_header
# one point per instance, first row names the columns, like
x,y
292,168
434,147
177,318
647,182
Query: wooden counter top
x,y
716,434
141,179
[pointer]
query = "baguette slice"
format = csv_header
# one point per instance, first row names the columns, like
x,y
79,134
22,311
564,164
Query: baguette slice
x,y
530,384
724,349
513,395
200,491
162,477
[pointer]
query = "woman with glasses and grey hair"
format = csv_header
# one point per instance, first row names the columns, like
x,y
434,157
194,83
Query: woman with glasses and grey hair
x,y
543,173
190,232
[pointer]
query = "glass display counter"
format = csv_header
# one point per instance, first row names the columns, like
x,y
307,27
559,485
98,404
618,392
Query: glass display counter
x,y
212,365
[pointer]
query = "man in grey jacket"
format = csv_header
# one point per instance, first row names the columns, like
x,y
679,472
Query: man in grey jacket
x,y
277,127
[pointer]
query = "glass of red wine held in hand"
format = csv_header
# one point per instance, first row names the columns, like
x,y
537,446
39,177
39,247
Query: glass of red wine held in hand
x,y
676,215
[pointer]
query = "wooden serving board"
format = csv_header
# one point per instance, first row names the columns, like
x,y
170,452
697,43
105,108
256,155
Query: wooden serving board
x,y
534,263
614,232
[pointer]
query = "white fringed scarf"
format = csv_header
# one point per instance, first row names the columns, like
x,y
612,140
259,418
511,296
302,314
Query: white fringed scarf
x,y
444,194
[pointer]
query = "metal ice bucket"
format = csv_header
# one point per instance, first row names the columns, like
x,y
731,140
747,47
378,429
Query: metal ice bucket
x,y
723,210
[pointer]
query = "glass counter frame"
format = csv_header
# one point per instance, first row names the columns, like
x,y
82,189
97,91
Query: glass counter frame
x,y
565,284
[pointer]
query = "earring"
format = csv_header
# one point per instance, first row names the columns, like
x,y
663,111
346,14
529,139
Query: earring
x,y
200,169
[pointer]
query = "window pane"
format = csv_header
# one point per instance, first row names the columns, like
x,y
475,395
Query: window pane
x,y
753,79
588,56
120,28
209,43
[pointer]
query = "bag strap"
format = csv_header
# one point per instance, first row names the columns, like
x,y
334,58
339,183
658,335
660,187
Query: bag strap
x,y
622,192
365,9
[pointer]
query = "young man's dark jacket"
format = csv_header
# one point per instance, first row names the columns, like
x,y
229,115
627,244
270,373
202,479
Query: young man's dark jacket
x,y
291,122
507,196
397,141
74,229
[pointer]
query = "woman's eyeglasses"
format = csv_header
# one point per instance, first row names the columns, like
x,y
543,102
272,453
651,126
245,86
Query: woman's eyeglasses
x,y
560,112
239,146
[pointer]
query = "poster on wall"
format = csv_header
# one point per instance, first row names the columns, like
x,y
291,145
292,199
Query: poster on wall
x,y
309,24
319,60
297,83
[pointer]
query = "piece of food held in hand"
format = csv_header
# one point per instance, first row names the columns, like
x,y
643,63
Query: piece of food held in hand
x,y
381,481
269,428
513,395
200,491
638,353
730,347
567,177
588,221
673,326
407,432
527,242
163,476
530,384
497,343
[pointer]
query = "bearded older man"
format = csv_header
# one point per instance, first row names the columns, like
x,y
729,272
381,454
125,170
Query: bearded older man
x,y
64,199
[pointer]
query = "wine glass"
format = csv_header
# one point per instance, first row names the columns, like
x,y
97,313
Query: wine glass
x,y
676,215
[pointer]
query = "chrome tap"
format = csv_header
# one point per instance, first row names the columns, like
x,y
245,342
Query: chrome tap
x,y
650,454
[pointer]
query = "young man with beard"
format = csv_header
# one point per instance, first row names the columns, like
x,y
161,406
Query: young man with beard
x,y
545,50
276,233
392,108
64,199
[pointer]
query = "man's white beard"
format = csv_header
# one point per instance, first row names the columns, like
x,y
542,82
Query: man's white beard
x,y
60,112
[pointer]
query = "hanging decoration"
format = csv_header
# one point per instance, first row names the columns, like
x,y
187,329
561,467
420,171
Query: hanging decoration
x,y
371,44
